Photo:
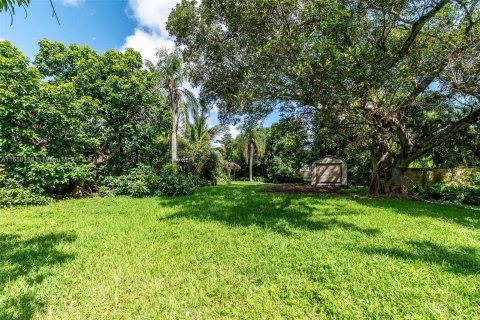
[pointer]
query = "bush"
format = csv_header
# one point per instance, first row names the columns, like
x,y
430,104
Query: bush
x,y
452,193
203,162
280,171
474,178
14,194
140,181
221,176
173,183
198,181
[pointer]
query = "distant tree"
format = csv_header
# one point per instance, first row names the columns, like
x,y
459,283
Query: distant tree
x,y
286,150
251,142
227,146
170,78
463,152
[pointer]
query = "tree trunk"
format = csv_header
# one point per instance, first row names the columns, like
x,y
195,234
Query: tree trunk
x,y
78,189
388,175
388,182
174,138
250,160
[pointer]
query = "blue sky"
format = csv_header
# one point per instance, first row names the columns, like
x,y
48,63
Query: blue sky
x,y
100,24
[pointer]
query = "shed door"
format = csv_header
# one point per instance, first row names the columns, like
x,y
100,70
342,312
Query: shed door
x,y
329,173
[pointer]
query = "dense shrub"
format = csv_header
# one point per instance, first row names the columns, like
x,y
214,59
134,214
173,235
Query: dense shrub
x,y
453,193
474,178
14,194
197,181
221,176
140,181
202,164
280,171
174,183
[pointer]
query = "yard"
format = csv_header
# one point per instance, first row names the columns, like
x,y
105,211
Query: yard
x,y
237,252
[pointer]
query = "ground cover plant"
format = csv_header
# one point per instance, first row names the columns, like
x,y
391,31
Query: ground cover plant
x,y
235,251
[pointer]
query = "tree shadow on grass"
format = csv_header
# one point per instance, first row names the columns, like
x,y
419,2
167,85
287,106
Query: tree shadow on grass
x,y
27,260
460,260
244,206
452,213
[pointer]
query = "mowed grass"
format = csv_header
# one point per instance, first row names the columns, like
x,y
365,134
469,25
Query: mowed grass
x,y
233,252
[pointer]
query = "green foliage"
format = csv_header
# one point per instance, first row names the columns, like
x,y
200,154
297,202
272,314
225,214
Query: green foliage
x,y
453,193
286,150
462,151
140,181
9,5
53,176
280,171
169,77
14,194
197,126
91,113
202,159
474,178
174,183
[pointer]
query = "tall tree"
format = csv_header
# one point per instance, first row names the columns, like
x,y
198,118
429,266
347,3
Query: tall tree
x,y
406,71
170,80
252,143
110,94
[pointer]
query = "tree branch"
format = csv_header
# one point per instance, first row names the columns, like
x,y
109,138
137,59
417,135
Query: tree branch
x,y
446,133
102,158
422,86
418,25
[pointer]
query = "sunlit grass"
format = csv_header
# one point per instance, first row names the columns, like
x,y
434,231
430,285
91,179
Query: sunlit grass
x,y
234,252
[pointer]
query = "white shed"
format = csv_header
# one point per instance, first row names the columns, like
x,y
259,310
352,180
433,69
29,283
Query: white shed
x,y
329,171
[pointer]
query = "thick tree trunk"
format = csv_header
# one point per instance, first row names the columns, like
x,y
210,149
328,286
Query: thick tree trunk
x,y
250,160
388,174
388,182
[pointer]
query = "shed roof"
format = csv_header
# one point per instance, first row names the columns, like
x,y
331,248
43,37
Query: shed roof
x,y
329,157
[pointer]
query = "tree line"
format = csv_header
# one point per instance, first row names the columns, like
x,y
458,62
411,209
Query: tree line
x,y
74,117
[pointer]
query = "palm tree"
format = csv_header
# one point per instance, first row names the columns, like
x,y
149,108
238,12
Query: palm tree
x,y
252,141
197,128
170,78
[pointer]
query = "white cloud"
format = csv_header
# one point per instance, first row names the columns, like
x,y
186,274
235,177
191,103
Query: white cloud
x,y
73,3
147,43
152,14
150,33
233,131
215,109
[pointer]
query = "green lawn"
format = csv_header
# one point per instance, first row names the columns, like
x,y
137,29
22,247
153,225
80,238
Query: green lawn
x,y
234,252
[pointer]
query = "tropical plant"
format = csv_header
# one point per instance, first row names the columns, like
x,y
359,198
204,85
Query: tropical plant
x,y
251,142
170,78
197,126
